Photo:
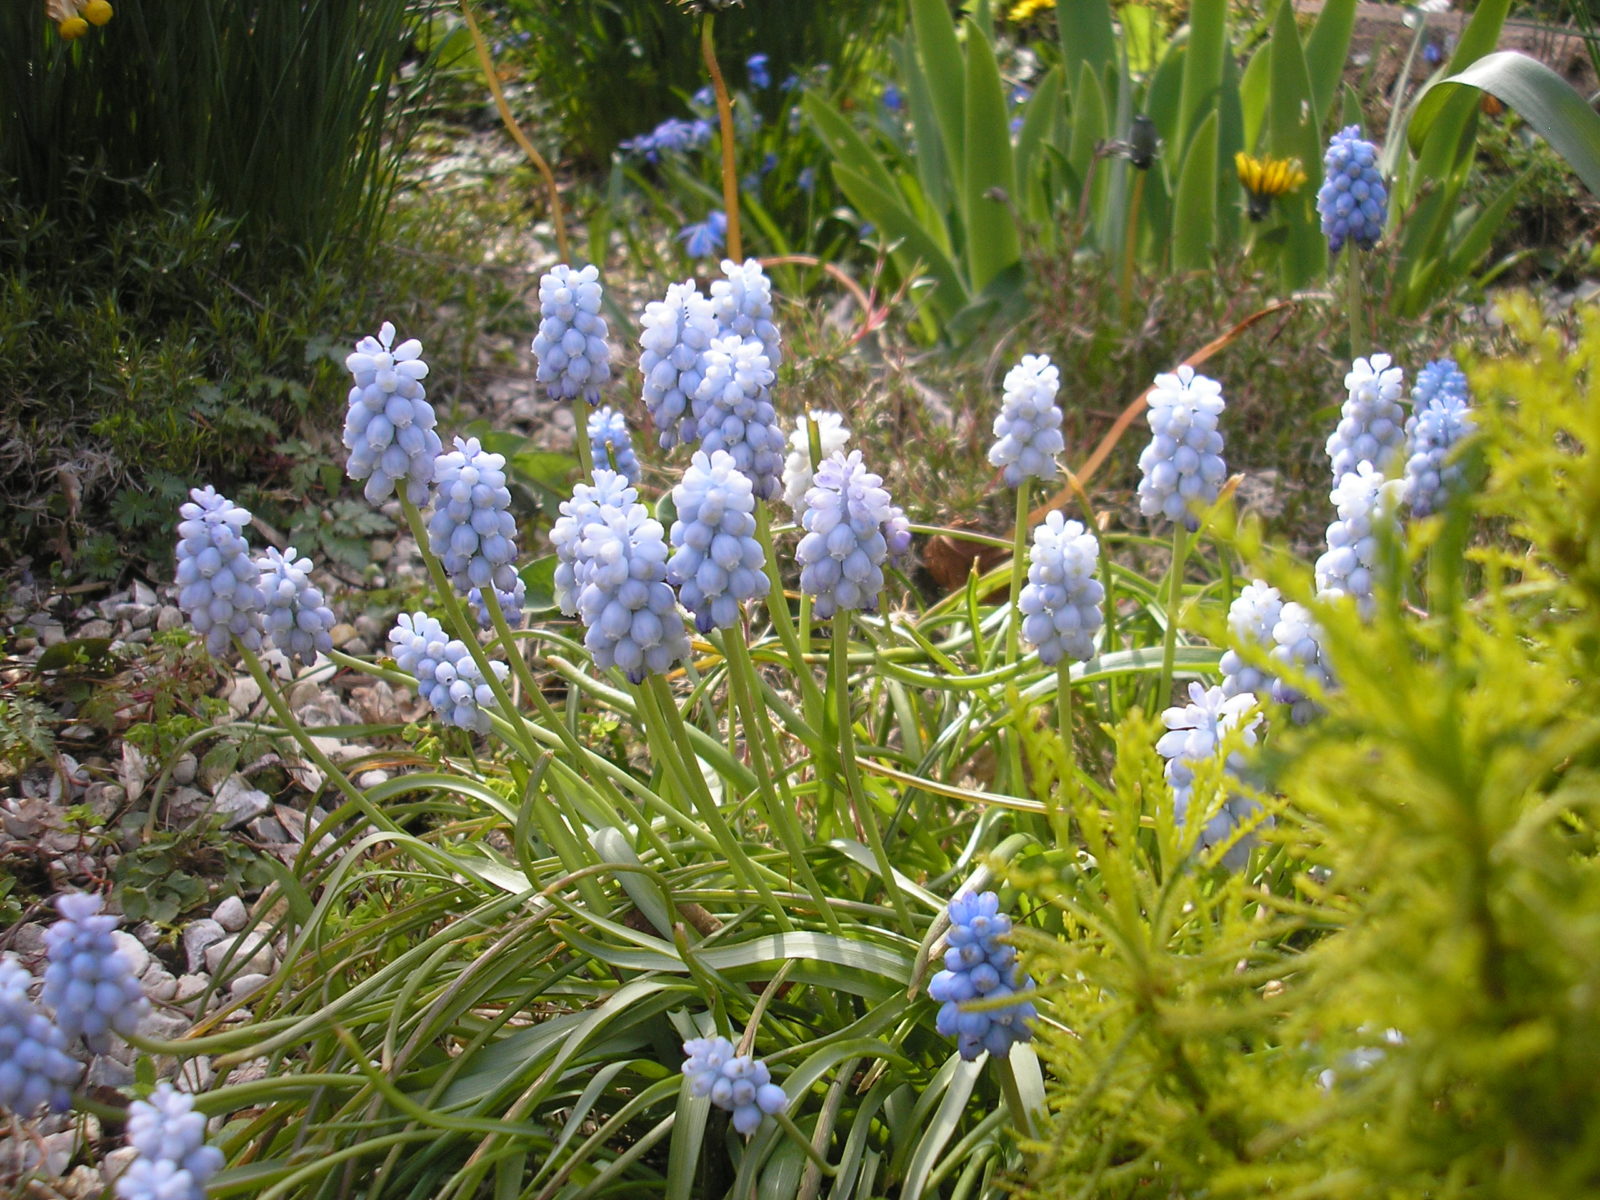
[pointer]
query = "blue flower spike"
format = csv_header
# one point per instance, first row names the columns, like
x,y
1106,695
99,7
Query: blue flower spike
x,y
629,612
389,424
1195,733
574,358
472,531
88,981
37,1069
447,676
1353,202
733,410
1252,617
1060,603
172,1160
611,443
1027,429
1371,422
295,617
736,1083
717,562
1182,468
566,535
675,333
842,551
980,965
1366,503
1441,416
219,584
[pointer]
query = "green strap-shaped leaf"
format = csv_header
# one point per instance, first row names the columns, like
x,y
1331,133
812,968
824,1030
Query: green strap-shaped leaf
x,y
1203,70
1327,50
917,251
1540,96
1294,132
1038,120
942,66
1194,210
989,177
1087,37
1253,94
1481,35
932,168
844,143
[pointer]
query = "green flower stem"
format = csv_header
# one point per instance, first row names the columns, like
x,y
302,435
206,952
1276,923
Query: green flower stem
x,y
866,816
762,742
669,741
1064,713
1020,1116
1354,302
1130,244
1169,643
797,1135
782,622
1019,542
580,418
730,166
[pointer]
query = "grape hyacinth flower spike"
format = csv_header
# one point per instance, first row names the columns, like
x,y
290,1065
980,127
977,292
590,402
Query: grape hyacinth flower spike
x,y
1365,502
741,302
717,562
736,1083
1297,646
1028,428
733,410
1251,618
89,982
36,1066
1371,422
472,531
1182,468
219,584
574,358
294,617
674,336
608,489
1441,416
842,551
447,676
1195,733
630,615
798,467
979,965
1352,201
611,444
388,427
172,1160
1060,603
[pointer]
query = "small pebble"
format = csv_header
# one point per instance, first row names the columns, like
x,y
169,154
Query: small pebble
x,y
231,914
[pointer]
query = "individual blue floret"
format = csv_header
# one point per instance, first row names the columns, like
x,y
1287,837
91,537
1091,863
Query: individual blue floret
x,y
842,551
388,427
1366,503
1060,603
756,69
89,983
169,1138
897,534
742,303
611,444
36,1067
1182,468
447,676
630,615
737,1083
1251,618
295,617
733,410
1371,422
566,534
1441,417
472,531
674,336
717,562
1028,428
219,584
704,239
1195,733
1297,649
1352,200
980,965
573,355
832,437
673,136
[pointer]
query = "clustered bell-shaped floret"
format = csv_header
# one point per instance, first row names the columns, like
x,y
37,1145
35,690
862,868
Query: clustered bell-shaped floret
x,y
1371,422
611,444
295,617
798,469
1060,603
1441,417
1028,428
742,304
1352,200
736,1083
674,336
169,1138
630,615
980,965
36,1066
1251,618
472,530
733,410
219,584
573,356
388,427
1297,648
1195,733
842,551
897,534
447,676
1365,503
1182,467
89,982
717,562
566,534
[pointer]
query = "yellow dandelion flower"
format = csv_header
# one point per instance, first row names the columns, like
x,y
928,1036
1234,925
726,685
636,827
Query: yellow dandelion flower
x,y
1024,9
1265,178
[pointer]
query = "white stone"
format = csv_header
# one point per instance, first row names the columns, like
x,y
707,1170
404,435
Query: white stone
x,y
191,987
116,1163
246,984
159,984
131,949
231,914
251,954
243,695
198,937
185,768
238,802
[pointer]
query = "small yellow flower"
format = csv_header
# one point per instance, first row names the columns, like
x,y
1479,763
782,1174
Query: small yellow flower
x,y
1024,9
1266,177
97,12
72,28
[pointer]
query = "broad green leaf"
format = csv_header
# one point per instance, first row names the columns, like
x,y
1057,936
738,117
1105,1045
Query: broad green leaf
x,y
1327,50
1230,140
847,146
1253,94
1293,132
1481,35
1090,124
1143,35
1039,118
1202,72
916,251
1087,38
989,177
932,167
955,1081
942,66
1194,214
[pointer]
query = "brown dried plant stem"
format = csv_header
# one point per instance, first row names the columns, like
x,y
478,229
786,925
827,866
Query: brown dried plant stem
x,y
730,169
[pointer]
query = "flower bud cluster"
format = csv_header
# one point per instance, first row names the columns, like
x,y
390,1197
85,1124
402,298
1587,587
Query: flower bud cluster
x,y
219,584
472,530
1441,417
169,1138
573,356
1297,648
608,489
674,334
842,551
1060,603
1371,422
89,982
733,410
36,1066
1195,733
736,1083
717,562
980,965
294,617
388,427
447,677
742,304
629,612
897,534
1352,200
611,444
1365,502
1182,466
832,437
1251,618
1028,428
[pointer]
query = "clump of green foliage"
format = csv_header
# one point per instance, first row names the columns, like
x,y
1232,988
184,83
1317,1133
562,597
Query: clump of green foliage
x,y
1404,1001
